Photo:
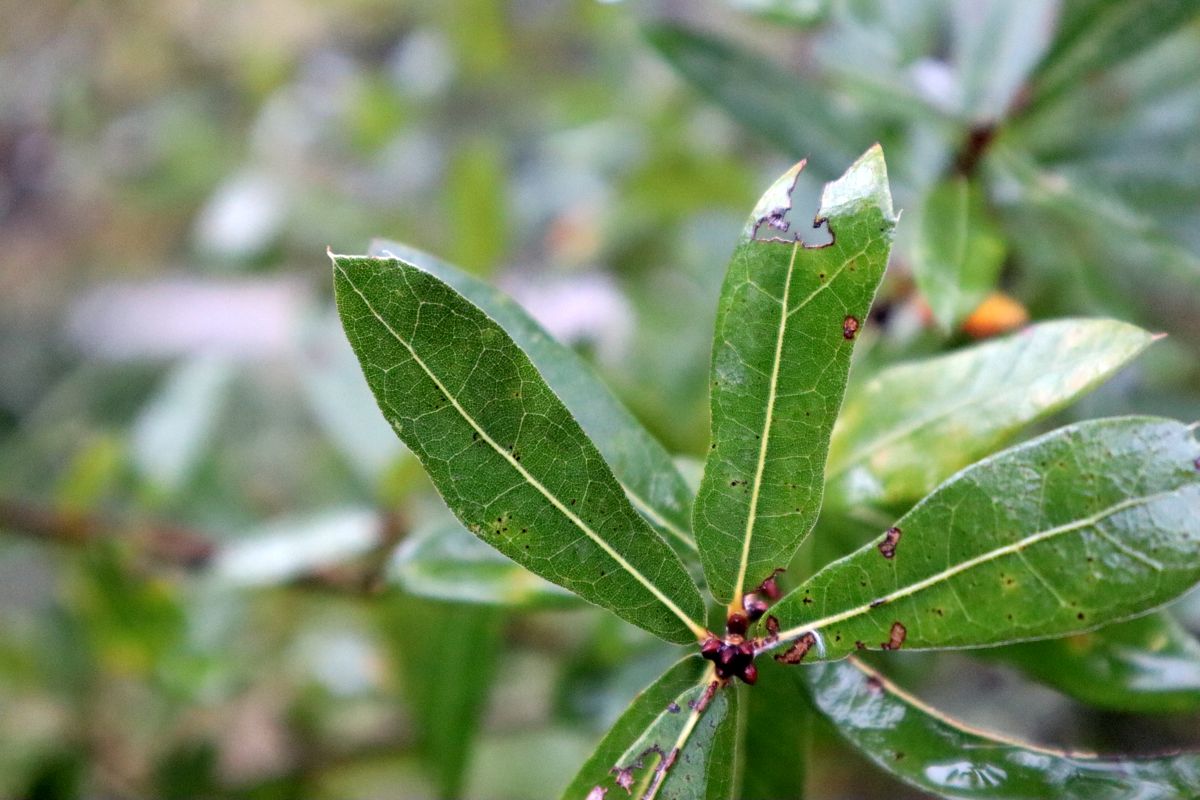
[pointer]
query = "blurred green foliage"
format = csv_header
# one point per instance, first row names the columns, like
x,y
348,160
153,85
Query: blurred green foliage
x,y
205,520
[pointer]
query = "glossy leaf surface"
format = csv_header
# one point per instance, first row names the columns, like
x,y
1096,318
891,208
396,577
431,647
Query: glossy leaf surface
x,y
913,425
505,453
1146,665
644,468
932,752
659,720
1089,524
786,325
443,561
959,250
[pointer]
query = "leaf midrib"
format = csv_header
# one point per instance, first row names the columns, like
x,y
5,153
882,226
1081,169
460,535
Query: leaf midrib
x,y
983,558
697,629
752,514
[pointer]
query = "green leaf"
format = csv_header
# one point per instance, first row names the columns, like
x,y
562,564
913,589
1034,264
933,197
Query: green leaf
x,y
995,45
682,713
510,460
911,426
787,321
789,110
777,733
1146,665
1089,524
443,561
449,654
1096,35
958,252
644,468
932,752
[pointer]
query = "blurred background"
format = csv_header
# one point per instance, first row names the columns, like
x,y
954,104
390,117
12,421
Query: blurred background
x,y
221,575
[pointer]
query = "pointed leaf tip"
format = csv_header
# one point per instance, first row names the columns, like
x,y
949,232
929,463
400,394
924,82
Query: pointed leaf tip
x,y
866,182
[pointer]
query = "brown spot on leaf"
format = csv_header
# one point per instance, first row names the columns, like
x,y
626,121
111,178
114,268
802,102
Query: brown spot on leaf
x,y
891,538
874,684
772,626
858,645
895,637
796,653
597,793
673,707
850,327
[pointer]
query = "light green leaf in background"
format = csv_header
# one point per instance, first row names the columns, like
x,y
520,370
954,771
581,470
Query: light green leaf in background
x,y
1096,35
505,453
448,654
676,740
911,426
928,750
641,464
787,322
958,252
170,435
1146,665
1092,523
791,110
441,560
995,45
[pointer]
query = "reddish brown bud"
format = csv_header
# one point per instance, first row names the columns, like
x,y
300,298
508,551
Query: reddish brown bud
x,y
737,624
749,674
769,587
754,606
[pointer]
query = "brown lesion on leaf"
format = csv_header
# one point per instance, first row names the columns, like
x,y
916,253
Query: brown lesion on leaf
x,y
796,653
895,637
891,538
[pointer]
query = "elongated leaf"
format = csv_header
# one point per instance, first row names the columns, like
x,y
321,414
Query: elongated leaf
x,y
912,426
995,45
447,678
786,325
777,731
1147,665
932,752
792,111
1089,524
502,449
443,561
676,740
641,464
959,250
1100,34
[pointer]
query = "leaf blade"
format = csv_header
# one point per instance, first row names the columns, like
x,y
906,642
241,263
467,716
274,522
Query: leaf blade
x,y
684,713
778,375
930,751
642,465
958,252
1118,496
1148,665
471,406
891,444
